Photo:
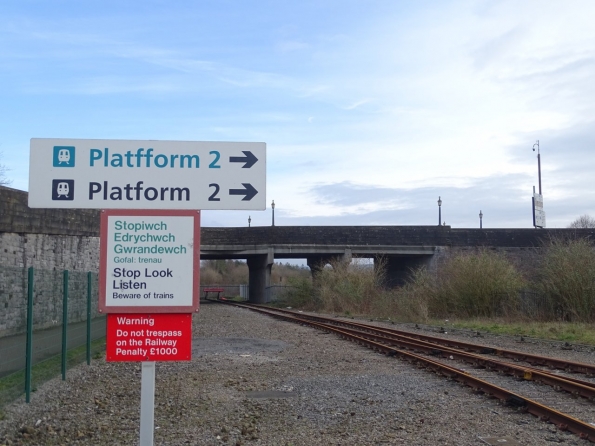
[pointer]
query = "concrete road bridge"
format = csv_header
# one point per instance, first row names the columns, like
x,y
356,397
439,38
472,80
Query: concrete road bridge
x,y
68,238
401,247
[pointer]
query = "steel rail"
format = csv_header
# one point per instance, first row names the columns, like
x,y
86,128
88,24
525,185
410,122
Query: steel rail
x,y
576,367
582,388
573,386
562,421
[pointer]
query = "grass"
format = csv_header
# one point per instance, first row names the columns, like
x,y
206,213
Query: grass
x,y
13,386
572,332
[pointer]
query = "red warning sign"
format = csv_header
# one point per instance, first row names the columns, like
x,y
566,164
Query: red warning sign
x,y
149,337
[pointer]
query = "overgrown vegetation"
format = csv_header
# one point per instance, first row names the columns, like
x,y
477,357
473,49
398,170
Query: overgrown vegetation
x,y
228,272
299,294
235,272
466,287
4,181
347,288
470,286
583,222
12,386
567,279
561,331
475,284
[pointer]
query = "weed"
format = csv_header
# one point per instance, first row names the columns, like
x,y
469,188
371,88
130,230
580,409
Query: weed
x,y
566,278
12,386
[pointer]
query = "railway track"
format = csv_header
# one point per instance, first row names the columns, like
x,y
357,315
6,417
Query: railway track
x,y
438,354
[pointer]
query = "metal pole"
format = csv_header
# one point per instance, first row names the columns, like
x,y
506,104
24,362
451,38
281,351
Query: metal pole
x,y
273,208
29,352
539,168
89,276
64,323
538,164
147,403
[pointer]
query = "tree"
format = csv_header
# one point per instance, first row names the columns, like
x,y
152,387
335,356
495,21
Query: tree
x,y
3,169
584,221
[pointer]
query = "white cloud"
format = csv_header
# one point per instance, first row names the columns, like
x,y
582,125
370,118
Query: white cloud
x,y
433,98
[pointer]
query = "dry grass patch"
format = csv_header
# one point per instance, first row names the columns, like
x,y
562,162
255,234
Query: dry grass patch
x,y
578,333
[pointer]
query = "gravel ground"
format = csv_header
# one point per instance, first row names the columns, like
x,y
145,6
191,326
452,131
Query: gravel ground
x,y
257,380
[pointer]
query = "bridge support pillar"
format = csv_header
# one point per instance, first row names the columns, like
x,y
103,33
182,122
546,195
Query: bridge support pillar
x,y
316,263
259,276
398,268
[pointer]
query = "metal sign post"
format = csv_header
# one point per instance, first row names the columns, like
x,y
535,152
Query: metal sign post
x,y
148,285
147,404
150,193
538,212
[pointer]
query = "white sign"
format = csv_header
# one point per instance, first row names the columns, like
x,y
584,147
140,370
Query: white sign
x,y
149,261
120,174
538,212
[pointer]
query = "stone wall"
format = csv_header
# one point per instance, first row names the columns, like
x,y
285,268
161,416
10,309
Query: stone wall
x,y
47,298
50,240
51,252
17,217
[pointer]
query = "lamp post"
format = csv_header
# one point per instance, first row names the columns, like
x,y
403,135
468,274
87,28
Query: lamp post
x,y
480,219
538,214
249,220
273,207
538,164
439,211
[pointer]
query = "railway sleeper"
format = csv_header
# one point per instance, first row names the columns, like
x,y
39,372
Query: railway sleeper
x,y
515,401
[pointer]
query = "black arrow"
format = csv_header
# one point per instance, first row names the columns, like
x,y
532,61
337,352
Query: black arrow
x,y
249,159
248,191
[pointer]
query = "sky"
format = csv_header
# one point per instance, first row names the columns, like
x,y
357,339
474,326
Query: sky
x,y
370,110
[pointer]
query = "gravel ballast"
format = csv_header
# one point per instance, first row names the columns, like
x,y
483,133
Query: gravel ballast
x,y
257,380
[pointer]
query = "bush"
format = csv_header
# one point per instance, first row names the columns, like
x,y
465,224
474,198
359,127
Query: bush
x,y
412,301
209,276
299,294
347,288
478,284
482,283
566,278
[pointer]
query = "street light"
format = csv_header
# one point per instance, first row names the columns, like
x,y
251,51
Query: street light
x,y
439,211
480,218
273,207
538,214
249,220
538,164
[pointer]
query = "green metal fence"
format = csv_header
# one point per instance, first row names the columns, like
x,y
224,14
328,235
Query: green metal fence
x,y
49,324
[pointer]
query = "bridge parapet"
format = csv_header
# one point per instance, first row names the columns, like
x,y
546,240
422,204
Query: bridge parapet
x,y
420,236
